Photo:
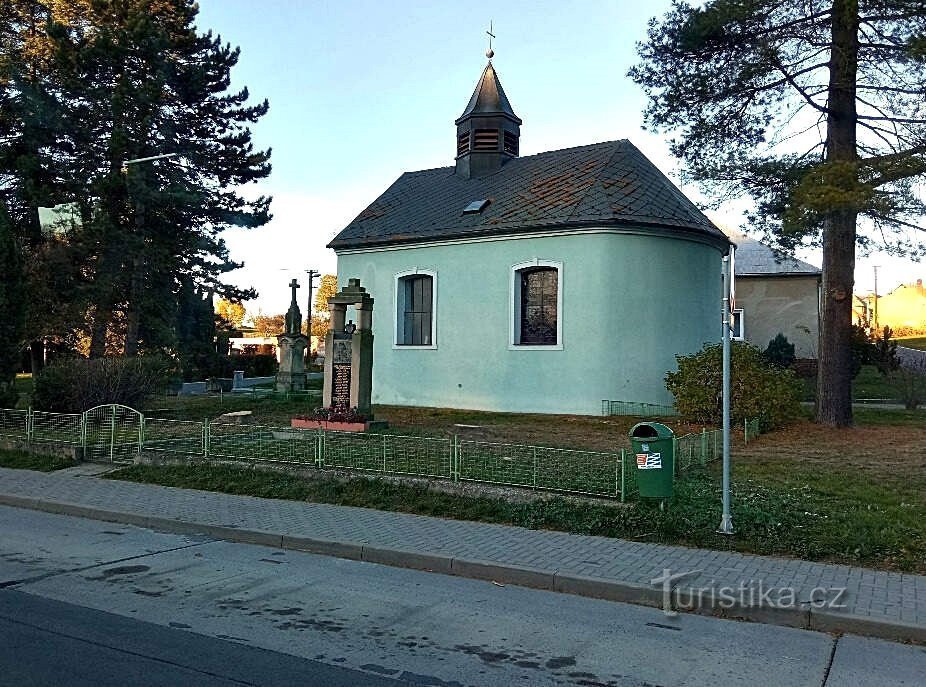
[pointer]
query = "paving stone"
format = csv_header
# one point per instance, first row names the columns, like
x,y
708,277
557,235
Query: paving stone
x,y
894,602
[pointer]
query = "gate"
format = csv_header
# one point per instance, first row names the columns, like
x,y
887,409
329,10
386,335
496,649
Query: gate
x,y
112,434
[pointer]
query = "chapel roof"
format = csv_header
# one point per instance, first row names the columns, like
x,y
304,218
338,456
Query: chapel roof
x,y
609,184
754,258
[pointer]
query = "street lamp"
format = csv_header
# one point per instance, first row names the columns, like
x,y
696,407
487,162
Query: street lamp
x,y
150,158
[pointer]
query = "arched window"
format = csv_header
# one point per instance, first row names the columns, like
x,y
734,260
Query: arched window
x,y
537,305
415,309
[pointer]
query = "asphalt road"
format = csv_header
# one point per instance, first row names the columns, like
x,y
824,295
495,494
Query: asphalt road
x,y
86,602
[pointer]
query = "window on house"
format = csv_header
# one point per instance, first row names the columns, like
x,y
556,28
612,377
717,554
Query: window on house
x,y
737,332
415,310
537,306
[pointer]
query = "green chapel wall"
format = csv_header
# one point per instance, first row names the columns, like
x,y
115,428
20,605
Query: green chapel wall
x,y
631,302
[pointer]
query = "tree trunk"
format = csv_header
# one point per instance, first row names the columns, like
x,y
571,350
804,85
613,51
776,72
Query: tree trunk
x,y
99,329
834,378
133,311
37,356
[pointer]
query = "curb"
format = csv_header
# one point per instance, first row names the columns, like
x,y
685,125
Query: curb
x,y
501,573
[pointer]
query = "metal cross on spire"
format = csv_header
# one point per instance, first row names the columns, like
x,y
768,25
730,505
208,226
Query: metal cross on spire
x,y
490,53
294,285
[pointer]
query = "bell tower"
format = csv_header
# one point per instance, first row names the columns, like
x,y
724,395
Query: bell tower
x,y
488,131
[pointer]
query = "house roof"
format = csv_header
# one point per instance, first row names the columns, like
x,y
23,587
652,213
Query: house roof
x,y
608,184
754,258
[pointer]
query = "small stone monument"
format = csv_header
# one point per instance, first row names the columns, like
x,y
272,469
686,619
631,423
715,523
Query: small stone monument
x,y
292,343
349,351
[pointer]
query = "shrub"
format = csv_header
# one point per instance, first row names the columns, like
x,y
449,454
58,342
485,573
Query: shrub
x,y
202,366
74,385
757,389
884,352
780,351
861,349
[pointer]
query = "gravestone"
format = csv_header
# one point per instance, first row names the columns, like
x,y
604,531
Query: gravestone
x,y
292,342
349,351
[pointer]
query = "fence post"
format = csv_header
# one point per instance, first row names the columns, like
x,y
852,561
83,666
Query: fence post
x,y
206,437
535,466
30,425
384,453
455,458
623,476
703,445
320,449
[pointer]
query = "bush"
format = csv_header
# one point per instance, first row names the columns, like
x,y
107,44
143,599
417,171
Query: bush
x,y
757,389
884,352
75,385
199,367
780,351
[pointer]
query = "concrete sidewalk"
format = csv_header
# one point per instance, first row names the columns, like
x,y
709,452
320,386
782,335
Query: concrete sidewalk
x,y
796,593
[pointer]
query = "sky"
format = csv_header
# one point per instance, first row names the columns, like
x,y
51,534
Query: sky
x,y
361,91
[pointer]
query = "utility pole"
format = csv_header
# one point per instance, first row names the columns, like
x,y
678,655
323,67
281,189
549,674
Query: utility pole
x,y
312,275
877,325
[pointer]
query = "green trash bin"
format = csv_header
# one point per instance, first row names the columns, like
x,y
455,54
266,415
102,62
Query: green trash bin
x,y
654,452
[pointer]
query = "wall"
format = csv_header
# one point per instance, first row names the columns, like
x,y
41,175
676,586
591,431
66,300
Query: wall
x,y
903,309
630,304
789,305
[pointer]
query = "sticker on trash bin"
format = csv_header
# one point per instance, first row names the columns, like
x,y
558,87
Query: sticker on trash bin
x,y
644,447
649,461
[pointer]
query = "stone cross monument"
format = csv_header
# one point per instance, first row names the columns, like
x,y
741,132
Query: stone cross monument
x,y
349,351
292,343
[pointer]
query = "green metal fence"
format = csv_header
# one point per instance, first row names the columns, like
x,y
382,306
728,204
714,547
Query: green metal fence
x,y
120,433
751,429
536,467
637,409
698,449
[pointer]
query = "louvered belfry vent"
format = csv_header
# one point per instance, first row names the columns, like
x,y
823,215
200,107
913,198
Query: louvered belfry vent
x,y
485,139
488,130
463,143
511,143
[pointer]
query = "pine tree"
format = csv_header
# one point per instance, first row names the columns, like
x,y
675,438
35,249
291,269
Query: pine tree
x,y
35,155
12,310
817,110
145,83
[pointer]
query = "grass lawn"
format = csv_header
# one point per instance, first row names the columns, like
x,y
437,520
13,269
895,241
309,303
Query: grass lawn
x,y
868,385
913,342
853,496
21,460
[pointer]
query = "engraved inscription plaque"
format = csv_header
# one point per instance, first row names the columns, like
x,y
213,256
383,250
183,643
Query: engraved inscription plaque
x,y
340,385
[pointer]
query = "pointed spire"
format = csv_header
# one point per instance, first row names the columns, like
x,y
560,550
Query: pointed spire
x,y
489,98
488,131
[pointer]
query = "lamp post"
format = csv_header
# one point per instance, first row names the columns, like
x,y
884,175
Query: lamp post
x,y
726,521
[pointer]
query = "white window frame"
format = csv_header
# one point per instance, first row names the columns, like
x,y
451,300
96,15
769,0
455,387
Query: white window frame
x,y
514,306
399,296
736,315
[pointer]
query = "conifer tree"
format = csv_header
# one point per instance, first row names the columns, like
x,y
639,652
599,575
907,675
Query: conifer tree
x,y
146,83
815,109
12,310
